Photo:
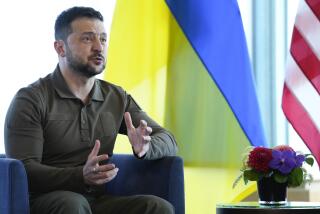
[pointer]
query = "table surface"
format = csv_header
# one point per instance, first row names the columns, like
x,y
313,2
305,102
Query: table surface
x,y
255,207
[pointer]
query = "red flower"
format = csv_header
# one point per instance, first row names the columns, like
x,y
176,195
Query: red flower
x,y
259,159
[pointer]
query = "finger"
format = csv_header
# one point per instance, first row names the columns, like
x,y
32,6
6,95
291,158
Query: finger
x,y
147,138
149,130
143,124
105,180
128,121
97,173
104,168
96,159
104,175
95,149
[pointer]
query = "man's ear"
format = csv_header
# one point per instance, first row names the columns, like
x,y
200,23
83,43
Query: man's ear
x,y
60,47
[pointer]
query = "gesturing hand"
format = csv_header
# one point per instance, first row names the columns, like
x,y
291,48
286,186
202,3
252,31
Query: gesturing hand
x,y
138,137
95,174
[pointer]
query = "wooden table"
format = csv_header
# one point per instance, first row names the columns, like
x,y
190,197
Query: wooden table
x,y
256,208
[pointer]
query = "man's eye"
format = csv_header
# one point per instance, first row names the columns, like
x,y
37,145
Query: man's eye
x,y
103,40
86,39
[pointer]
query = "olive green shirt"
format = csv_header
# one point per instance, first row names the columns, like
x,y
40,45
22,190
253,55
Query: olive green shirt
x,y
53,132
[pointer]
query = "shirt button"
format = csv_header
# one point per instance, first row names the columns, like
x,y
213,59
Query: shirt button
x,y
83,122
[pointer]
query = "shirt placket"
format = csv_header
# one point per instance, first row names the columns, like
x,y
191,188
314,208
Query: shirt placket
x,y
84,127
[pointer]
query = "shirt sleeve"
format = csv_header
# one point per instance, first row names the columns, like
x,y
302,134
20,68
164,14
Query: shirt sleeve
x,y
24,140
162,141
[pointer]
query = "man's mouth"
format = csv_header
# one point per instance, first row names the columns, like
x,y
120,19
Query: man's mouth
x,y
97,59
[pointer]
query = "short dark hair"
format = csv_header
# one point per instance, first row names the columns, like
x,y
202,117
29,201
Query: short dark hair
x,y
62,27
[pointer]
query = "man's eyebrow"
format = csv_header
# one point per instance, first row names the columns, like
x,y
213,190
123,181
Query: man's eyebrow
x,y
92,33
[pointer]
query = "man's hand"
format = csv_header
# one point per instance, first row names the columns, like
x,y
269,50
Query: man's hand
x,y
138,137
95,174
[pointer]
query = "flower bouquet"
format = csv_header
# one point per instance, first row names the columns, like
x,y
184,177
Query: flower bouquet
x,y
273,169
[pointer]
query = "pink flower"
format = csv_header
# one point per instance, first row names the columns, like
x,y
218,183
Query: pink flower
x,y
283,148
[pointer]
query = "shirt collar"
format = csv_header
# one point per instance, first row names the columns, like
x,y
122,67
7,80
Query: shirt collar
x,y
96,93
63,90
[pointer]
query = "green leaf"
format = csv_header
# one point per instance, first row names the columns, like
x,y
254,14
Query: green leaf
x,y
307,178
280,178
310,161
236,181
251,175
245,180
295,177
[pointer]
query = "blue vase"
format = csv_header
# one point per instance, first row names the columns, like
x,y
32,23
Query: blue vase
x,y
272,193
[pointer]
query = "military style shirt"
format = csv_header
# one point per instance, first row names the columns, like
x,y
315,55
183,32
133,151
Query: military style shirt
x,y
53,132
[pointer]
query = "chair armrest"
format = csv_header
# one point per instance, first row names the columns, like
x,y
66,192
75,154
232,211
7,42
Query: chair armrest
x,y
14,196
163,178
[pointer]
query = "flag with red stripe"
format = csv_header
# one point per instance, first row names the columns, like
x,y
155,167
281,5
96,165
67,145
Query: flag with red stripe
x,y
301,100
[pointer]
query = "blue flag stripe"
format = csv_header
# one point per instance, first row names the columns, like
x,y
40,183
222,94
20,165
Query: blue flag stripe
x,y
214,29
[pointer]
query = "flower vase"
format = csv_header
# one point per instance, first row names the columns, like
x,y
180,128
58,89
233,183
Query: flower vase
x,y
271,192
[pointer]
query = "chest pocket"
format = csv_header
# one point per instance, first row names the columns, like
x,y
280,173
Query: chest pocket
x,y
59,133
61,117
57,122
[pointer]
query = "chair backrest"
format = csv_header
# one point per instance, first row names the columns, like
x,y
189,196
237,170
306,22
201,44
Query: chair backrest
x,y
163,178
14,196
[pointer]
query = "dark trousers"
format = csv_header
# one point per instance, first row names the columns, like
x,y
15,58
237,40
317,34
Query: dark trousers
x,y
66,202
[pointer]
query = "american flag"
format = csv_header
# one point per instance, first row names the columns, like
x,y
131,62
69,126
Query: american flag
x,y
301,100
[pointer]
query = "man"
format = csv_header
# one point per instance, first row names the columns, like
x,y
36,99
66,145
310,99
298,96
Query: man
x,y
63,127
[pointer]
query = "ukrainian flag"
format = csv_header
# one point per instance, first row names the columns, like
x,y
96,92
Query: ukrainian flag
x,y
187,65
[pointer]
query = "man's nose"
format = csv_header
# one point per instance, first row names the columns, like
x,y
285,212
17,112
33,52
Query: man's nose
x,y
98,45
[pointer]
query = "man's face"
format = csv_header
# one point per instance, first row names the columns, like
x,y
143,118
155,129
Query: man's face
x,y
86,47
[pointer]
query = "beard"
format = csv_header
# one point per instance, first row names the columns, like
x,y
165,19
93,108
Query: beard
x,y
84,69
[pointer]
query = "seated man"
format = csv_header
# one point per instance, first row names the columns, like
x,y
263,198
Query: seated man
x,y
63,127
